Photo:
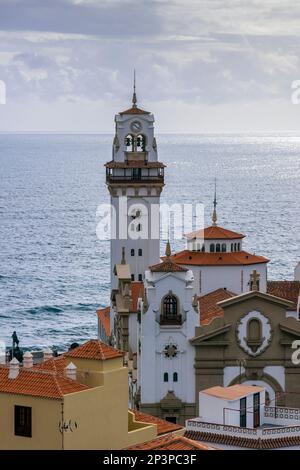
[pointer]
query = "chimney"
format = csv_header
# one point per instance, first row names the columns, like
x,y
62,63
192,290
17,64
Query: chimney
x,y
71,371
48,354
14,368
27,360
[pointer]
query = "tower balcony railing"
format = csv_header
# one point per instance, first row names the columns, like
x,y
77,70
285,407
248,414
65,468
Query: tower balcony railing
x,y
134,178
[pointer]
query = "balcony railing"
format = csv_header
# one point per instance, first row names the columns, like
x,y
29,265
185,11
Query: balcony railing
x,y
246,433
134,178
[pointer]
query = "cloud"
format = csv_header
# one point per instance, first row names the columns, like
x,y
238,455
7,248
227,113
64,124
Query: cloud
x,y
192,53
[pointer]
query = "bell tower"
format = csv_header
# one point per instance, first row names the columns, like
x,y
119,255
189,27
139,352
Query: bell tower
x,y
135,179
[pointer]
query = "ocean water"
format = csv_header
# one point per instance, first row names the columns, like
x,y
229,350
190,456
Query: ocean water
x,y
54,272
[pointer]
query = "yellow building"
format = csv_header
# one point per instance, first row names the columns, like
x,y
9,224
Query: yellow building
x,y
76,401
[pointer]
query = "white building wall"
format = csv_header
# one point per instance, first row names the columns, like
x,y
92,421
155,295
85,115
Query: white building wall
x,y
278,373
155,337
231,373
227,412
150,247
233,278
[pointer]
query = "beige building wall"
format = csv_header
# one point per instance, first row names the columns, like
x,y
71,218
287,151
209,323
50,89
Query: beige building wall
x,y
100,413
46,415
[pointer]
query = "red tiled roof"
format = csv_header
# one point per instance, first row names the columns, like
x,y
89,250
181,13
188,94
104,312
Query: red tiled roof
x,y
288,290
163,427
38,384
171,442
96,350
104,317
137,288
134,110
56,365
214,232
208,305
195,258
167,266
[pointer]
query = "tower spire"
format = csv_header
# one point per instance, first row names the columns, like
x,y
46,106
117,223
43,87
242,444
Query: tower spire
x,y
168,249
134,99
214,215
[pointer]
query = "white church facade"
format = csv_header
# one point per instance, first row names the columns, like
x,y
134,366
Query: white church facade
x,y
165,312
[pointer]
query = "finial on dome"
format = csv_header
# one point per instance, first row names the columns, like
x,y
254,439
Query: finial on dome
x,y
134,99
214,215
168,249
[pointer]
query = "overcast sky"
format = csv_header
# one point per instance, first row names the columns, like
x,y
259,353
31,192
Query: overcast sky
x,y
202,65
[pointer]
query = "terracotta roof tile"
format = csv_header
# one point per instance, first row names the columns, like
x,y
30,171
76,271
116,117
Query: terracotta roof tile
x,y
163,427
214,232
137,288
104,317
171,442
94,349
167,266
56,365
134,110
289,290
209,308
195,258
38,383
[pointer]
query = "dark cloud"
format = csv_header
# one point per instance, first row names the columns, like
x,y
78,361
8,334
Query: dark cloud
x,y
192,53
109,19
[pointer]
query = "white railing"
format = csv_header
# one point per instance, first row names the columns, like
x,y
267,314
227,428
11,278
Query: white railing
x,y
282,412
225,430
275,433
246,433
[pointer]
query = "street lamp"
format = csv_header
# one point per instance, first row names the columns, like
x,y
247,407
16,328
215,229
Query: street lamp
x,y
241,363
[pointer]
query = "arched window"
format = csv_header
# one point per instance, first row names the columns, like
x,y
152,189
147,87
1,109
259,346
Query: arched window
x,y
231,246
140,143
129,143
140,252
170,306
166,377
140,277
203,248
218,247
212,248
139,227
132,277
132,252
235,247
254,330
175,377
223,247
239,247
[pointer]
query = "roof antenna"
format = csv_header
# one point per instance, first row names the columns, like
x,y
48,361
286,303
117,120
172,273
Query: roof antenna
x,y
134,99
214,215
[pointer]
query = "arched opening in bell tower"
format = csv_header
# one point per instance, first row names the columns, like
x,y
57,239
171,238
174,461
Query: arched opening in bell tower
x,y
129,143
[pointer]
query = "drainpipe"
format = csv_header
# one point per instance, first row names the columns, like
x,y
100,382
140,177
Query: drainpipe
x,y
62,426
